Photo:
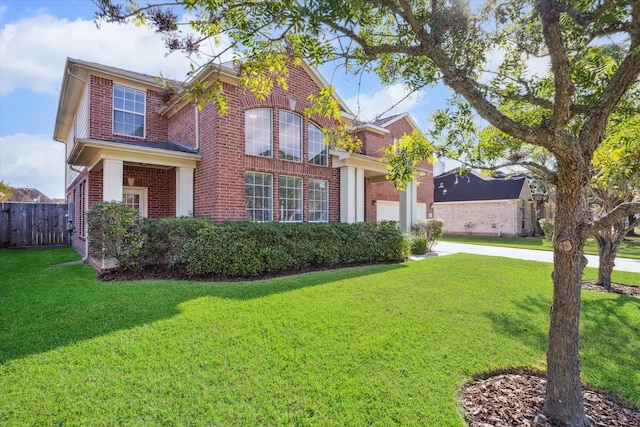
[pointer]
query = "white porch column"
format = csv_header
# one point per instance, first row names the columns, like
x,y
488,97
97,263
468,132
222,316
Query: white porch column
x,y
359,194
351,194
184,191
408,207
112,180
347,194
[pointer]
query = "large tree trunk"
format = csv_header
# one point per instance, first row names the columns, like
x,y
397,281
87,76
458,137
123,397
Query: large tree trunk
x,y
563,400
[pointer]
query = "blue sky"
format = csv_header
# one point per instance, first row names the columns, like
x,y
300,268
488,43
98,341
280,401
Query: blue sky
x,y
36,37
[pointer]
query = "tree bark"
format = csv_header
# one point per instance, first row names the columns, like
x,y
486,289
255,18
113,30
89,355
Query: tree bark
x,y
632,232
607,256
563,400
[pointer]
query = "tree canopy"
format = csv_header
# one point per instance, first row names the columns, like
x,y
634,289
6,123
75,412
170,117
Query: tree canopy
x,y
486,54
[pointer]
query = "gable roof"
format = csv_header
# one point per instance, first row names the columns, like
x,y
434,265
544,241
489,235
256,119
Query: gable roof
x,y
29,195
451,187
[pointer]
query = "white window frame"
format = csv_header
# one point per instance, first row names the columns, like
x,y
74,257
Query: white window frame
x,y
288,133
143,192
127,111
254,123
316,147
324,213
250,199
291,208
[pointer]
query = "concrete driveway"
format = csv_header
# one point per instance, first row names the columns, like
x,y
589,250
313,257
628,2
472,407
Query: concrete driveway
x,y
446,248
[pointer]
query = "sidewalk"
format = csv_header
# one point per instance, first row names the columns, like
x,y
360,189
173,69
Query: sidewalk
x,y
446,248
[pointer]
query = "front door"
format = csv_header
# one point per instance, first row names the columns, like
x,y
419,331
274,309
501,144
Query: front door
x,y
135,197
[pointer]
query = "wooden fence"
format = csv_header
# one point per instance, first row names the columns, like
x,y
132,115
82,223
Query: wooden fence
x,y
32,224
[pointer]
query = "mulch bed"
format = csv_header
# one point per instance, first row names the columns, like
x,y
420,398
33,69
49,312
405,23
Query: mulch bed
x,y
618,288
516,399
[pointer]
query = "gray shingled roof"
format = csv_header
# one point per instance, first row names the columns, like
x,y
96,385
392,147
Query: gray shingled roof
x,y
153,80
159,145
451,187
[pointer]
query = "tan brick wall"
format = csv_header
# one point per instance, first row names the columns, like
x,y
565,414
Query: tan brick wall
x,y
484,218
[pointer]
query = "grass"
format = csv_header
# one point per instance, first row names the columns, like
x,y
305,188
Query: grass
x,y
377,345
630,247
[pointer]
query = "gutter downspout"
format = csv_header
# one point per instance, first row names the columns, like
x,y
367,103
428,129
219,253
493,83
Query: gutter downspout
x,y
197,124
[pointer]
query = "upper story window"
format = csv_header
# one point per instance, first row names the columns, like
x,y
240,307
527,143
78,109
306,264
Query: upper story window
x,y
128,111
318,150
290,136
257,132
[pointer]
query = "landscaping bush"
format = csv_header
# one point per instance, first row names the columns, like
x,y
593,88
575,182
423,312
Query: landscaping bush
x,y
247,249
114,233
546,224
418,245
430,229
237,249
164,238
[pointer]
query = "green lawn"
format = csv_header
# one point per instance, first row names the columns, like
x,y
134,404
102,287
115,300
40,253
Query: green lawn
x,y
630,247
377,345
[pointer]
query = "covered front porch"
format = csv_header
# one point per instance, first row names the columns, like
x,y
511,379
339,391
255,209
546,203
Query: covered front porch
x,y
357,169
156,178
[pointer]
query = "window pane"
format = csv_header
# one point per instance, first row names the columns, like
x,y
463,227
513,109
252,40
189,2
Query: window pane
x,y
318,200
318,150
290,136
257,131
128,111
258,196
290,198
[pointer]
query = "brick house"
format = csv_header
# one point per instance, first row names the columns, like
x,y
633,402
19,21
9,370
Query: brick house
x,y
262,160
483,205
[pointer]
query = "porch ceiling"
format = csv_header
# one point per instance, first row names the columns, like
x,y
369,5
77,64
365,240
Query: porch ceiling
x,y
91,152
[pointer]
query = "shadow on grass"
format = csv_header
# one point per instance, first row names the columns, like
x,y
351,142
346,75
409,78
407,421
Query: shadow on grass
x,y
609,339
42,308
525,327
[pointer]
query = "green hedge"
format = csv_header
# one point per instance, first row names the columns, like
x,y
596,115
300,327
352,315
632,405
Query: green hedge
x,y
247,249
238,249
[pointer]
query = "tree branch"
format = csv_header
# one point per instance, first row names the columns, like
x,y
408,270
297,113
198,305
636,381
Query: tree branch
x,y
560,65
621,211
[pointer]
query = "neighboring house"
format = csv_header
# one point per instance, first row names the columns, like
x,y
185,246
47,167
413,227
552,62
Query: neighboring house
x,y
478,204
262,161
29,195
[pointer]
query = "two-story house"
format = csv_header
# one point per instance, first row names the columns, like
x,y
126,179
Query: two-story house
x,y
261,161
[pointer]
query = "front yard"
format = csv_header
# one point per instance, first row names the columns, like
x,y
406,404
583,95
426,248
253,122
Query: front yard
x,y
378,345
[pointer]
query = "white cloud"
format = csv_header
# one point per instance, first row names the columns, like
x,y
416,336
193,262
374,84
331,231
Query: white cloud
x,y
369,106
33,161
34,50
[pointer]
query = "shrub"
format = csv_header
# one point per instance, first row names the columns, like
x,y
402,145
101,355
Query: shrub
x,y
114,232
165,237
430,229
251,249
546,224
418,245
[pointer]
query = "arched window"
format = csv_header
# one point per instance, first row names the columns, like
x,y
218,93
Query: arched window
x,y
318,150
257,132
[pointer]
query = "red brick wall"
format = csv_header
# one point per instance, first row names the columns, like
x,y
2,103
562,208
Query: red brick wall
x,y
101,114
181,126
374,145
161,187
220,176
